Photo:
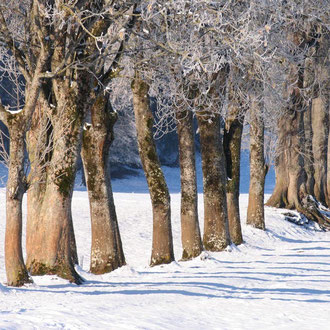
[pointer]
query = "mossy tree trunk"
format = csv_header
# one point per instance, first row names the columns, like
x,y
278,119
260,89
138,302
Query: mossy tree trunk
x,y
106,252
162,244
232,149
40,143
216,230
255,212
190,232
53,243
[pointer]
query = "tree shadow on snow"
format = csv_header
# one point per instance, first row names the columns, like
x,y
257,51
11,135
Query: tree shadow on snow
x,y
188,288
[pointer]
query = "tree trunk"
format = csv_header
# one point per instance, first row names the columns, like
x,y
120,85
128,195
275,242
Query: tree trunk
x,y
52,249
255,212
320,124
293,145
308,131
232,149
40,144
320,115
279,197
308,153
290,191
36,142
290,172
294,195
17,274
106,252
190,232
162,244
18,124
216,231
292,141
328,172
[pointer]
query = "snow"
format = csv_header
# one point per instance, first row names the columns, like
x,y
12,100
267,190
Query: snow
x,y
278,279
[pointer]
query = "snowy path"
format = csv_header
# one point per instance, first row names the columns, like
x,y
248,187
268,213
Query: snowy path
x,y
278,279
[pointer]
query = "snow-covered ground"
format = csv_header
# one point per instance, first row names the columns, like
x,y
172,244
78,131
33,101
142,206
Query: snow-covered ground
x,y
278,279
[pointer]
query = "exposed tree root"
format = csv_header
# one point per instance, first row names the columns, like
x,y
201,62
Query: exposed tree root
x,y
309,211
314,211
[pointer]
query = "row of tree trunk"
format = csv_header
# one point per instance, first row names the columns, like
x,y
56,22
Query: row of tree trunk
x,y
221,177
302,163
71,114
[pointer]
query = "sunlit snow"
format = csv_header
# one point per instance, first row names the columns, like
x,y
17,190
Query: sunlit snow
x,y
278,279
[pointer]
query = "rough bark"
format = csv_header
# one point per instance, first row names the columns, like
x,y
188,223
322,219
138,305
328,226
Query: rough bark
x,y
279,197
162,244
290,191
320,114
255,211
52,247
40,145
37,179
320,124
216,231
106,251
190,232
293,184
308,151
328,172
308,131
290,172
232,149
16,271
289,165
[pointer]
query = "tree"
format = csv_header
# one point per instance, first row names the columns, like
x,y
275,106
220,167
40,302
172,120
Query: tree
x,y
232,138
258,169
320,114
106,252
190,232
201,41
294,172
69,89
162,244
18,123
216,231
77,90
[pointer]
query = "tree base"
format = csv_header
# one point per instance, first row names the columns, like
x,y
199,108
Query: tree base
x,y
315,211
308,210
258,225
21,279
66,272
215,245
155,261
105,267
190,255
